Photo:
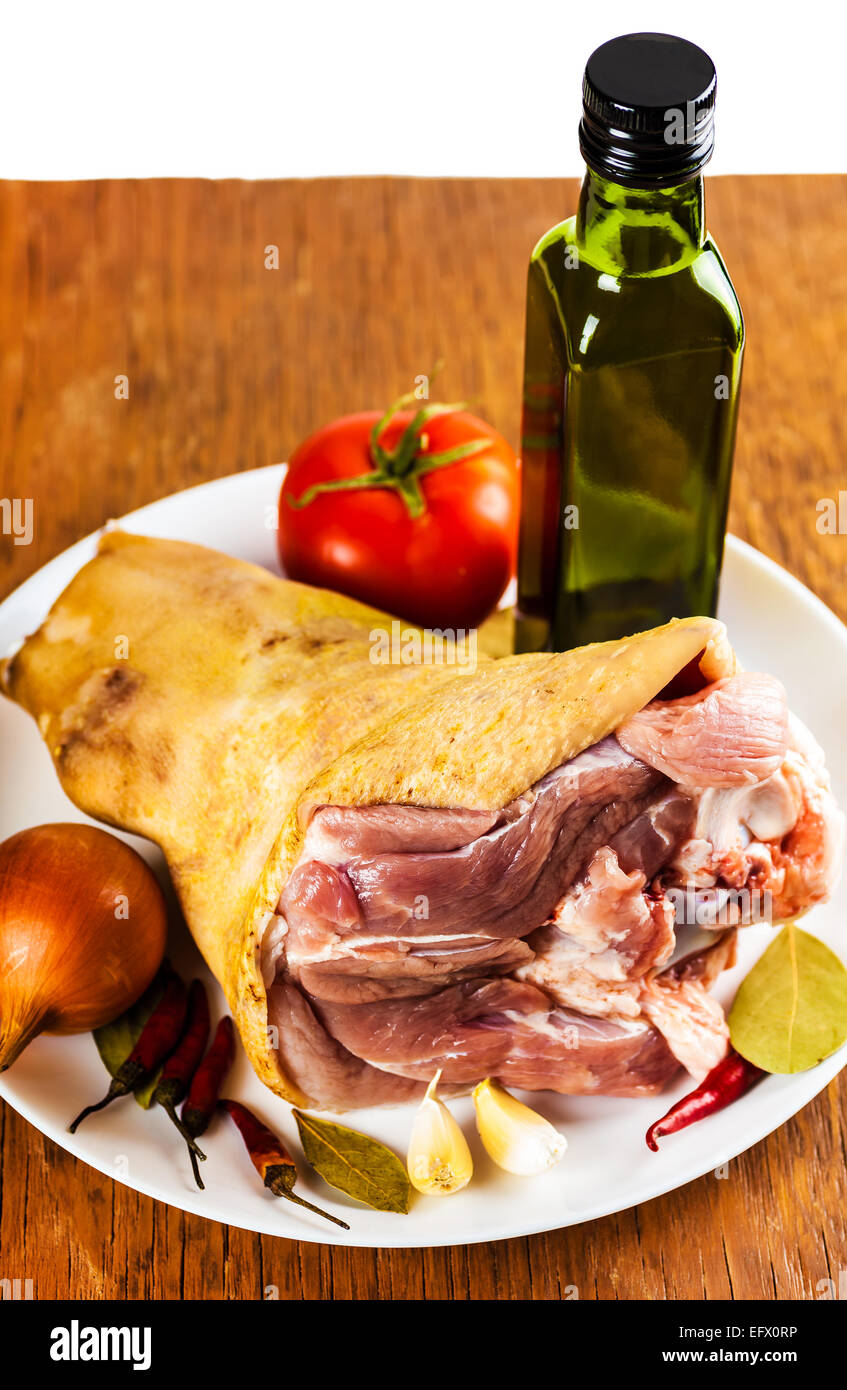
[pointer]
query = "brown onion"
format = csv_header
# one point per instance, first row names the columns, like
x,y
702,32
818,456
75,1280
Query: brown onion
x,y
82,932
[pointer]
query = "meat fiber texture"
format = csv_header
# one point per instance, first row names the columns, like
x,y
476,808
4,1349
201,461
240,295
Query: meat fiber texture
x,y
537,945
206,704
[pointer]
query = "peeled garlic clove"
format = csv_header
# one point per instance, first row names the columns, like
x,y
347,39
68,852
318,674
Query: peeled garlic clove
x,y
517,1138
439,1160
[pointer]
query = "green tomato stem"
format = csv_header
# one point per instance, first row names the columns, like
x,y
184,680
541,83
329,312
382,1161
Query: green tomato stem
x,y
402,467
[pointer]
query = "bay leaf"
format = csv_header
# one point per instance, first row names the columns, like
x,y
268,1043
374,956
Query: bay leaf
x,y
144,1093
116,1040
791,1010
354,1163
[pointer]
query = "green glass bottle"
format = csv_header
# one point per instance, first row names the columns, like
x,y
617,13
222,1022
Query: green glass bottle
x,y
634,343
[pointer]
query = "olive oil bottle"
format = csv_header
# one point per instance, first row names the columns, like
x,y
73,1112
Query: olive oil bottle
x,y
634,342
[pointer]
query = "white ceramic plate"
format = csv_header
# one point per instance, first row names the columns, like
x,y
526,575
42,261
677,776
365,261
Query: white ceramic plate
x,y
775,624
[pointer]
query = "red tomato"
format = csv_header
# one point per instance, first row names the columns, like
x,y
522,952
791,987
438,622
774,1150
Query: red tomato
x,y
446,567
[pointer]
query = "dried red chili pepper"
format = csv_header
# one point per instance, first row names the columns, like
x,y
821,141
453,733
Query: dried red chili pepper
x,y
206,1085
159,1037
724,1084
270,1158
182,1064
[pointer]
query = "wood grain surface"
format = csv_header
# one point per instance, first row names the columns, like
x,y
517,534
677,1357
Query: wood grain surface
x,y
229,365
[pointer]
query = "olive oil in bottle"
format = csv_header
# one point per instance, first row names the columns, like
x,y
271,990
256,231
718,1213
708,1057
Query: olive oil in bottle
x,y
634,341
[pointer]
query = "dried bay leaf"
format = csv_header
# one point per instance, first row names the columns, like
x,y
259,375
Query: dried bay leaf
x,y
361,1167
791,1010
116,1040
144,1093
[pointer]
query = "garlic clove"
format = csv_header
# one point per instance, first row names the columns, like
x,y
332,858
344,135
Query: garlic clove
x,y
516,1137
439,1160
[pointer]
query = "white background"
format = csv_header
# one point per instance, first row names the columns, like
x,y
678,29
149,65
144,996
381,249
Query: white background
x,y
473,87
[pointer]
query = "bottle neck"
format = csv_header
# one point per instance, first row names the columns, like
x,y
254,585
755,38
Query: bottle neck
x,y
639,231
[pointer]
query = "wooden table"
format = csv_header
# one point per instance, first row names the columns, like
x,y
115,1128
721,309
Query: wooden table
x,y
229,365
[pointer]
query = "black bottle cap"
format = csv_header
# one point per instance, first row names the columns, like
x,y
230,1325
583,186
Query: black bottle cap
x,y
648,110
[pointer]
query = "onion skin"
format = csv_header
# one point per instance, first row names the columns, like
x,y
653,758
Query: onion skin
x,y
83,925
